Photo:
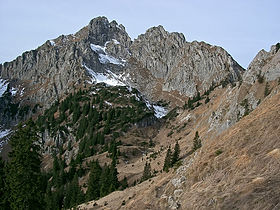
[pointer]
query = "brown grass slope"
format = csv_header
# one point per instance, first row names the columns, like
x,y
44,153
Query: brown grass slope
x,y
246,174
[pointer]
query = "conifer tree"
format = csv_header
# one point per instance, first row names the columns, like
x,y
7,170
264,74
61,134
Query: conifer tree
x,y
196,142
93,191
147,172
176,153
124,183
167,160
113,176
105,181
24,178
4,193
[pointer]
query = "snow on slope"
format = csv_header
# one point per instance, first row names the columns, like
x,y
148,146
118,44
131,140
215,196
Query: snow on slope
x,y
4,133
3,86
160,111
104,57
108,78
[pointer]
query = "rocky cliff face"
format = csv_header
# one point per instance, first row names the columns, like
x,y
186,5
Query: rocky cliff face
x,y
265,64
182,66
156,62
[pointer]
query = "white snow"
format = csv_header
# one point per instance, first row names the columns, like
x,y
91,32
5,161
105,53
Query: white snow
x,y
108,78
104,57
115,41
160,111
108,103
4,133
22,92
14,91
52,43
3,86
3,140
98,49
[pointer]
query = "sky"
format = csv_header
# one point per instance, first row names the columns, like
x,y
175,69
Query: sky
x,y
241,27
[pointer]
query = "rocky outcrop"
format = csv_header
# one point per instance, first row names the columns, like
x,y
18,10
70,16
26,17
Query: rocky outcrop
x,y
183,66
265,64
257,84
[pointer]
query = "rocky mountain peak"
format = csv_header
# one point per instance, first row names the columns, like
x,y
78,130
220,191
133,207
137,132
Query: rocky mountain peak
x,y
101,31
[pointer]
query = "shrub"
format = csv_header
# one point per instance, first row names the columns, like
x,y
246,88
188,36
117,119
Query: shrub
x,y
218,152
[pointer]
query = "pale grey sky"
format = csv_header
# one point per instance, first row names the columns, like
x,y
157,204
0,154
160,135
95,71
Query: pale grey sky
x,y
242,27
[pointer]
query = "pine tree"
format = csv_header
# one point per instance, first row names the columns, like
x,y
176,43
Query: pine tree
x,y
124,183
196,142
4,193
24,178
207,100
167,160
105,181
176,153
147,172
113,176
93,191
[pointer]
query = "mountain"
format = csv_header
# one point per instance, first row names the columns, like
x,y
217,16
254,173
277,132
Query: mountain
x,y
159,64
109,108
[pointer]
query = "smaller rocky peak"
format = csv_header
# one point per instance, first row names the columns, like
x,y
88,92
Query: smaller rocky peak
x,y
156,30
265,63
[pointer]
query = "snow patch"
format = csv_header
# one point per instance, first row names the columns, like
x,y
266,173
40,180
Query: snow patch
x,y
98,49
108,78
4,133
104,57
52,43
14,91
108,103
115,41
160,111
3,140
21,92
3,87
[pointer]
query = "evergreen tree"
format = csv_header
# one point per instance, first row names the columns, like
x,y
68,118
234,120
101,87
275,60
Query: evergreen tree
x,y
93,191
74,195
267,89
167,160
147,172
4,193
207,100
176,153
114,183
24,178
196,142
105,181
124,183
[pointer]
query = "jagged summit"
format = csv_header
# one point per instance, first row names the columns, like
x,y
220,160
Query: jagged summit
x,y
101,31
